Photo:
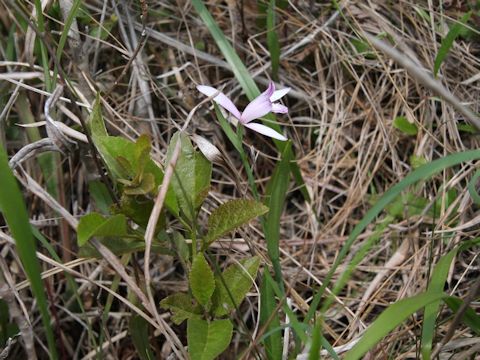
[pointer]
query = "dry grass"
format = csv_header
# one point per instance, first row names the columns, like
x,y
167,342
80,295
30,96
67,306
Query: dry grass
x,y
340,122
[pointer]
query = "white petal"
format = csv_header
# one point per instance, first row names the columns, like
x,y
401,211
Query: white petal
x,y
221,99
279,94
265,130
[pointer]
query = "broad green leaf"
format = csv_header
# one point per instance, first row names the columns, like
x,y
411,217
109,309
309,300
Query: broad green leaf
x,y
117,152
137,208
138,329
390,318
120,246
191,179
470,317
201,279
95,123
401,123
99,193
15,214
203,176
181,247
230,215
94,224
448,41
207,340
182,307
233,284
437,282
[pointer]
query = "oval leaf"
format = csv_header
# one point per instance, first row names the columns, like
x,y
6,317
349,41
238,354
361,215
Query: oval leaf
x,y
94,224
202,282
207,340
401,123
231,215
239,279
182,307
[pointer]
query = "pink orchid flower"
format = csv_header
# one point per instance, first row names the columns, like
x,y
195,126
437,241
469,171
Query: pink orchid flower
x,y
260,106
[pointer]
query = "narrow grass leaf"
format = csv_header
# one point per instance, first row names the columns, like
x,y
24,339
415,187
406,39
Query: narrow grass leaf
x,y
63,38
272,40
470,318
276,194
317,342
138,329
422,173
390,318
43,48
269,318
437,282
448,41
14,211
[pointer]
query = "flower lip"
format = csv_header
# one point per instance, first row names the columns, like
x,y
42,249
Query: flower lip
x,y
260,106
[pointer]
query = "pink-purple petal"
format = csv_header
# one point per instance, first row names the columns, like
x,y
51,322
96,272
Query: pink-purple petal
x,y
265,130
279,94
259,107
221,99
279,108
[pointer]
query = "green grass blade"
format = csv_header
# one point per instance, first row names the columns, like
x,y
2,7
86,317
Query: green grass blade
x,y
470,318
276,193
317,342
448,41
437,282
63,38
422,173
15,214
392,317
272,40
43,48
272,342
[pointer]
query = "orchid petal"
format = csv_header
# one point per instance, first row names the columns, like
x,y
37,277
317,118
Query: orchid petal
x,y
259,107
265,130
279,94
221,99
279,108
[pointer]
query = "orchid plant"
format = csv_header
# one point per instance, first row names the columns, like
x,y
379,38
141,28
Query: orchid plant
x,y
263,104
